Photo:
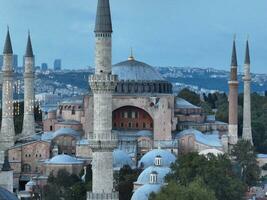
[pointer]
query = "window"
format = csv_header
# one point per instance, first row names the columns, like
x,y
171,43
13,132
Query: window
x,y
51,128
121,124
115,125
125,115
26,168
73,111
133,114
136,125
144,125
130,125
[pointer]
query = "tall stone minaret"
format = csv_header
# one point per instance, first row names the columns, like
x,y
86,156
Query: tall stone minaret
x,y
103,84
233,100
28,119
247,133
7,135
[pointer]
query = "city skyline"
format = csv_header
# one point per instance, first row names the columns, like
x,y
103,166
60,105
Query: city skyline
x,y
201,39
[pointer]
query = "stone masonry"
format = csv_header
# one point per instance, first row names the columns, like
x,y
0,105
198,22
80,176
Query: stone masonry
x,y
28,120
247,133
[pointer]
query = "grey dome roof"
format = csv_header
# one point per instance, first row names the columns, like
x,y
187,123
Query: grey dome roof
x,y
64,160
66,132
144,191
161,171
149,158
6,195
120,159
133,70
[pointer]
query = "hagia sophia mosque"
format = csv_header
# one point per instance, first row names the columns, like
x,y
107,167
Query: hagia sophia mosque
x,y
151,124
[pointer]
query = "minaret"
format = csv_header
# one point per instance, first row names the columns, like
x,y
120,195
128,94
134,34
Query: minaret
x,y
103,84
28,119
7,127
247,133
233,100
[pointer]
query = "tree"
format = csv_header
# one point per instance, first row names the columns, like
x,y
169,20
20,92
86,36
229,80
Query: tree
x,y
67,186
245,156
124,181
190,96
196,190
216,172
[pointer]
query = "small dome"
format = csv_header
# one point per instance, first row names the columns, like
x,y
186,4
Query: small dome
x,y
133,70
120,159
144,191
144,133
149,158
66,132
64,160
6,195
31,183
144,177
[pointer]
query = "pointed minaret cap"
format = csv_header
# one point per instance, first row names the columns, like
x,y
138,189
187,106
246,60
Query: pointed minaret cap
x,y
247,58
29,52
8,46
103,22
234,57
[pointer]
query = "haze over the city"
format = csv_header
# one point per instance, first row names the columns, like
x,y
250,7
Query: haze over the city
x,y
162,33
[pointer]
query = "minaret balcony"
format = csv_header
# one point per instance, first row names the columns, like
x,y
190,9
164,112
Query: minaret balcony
x,y
103,82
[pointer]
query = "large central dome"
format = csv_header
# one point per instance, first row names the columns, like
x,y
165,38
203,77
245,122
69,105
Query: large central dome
x,y
138,77
134,70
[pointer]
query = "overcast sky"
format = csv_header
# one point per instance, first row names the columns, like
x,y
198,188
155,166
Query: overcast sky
x,y
196,33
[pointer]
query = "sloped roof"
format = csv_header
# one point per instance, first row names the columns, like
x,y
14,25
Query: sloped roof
x,y
209,140
182,103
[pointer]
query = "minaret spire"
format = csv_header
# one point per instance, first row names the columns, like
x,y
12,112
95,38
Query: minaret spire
x,y
247,133
103,22
247,57
233,99
8,46
29,51
234,57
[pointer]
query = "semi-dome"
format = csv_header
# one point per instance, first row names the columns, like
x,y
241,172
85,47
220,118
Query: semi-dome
x,y
138,77
120,159
6,195
66,132
144,177
63,160
149,158
134,70
144,191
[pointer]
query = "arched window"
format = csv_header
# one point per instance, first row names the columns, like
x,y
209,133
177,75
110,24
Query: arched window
x,y
26,168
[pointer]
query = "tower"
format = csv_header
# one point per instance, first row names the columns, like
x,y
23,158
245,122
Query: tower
x,y
28,118
7,127
103,83
247,134
233,99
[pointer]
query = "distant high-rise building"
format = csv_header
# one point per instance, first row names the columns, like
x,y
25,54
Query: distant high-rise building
x,y
15,62
1,61
44,66
57,65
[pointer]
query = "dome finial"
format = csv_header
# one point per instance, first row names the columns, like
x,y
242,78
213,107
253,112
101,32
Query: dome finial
x,y
131,56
